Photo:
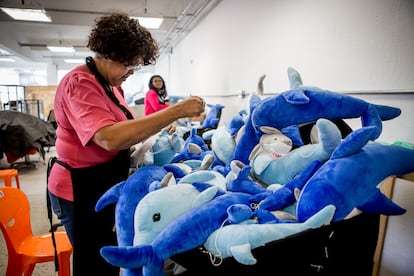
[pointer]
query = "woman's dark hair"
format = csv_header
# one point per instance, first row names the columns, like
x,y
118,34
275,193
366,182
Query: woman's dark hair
x,y
162,92
151,86
120,38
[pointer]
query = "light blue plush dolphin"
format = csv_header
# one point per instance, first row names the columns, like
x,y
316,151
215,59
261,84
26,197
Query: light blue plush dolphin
x,y
159,208
237,240
349,179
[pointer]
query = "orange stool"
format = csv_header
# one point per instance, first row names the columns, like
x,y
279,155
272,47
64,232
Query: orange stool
x,y
7,177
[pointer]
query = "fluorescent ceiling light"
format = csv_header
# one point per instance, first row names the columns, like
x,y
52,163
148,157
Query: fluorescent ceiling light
x,y
150,22
27,14
7,59
74,60
60,49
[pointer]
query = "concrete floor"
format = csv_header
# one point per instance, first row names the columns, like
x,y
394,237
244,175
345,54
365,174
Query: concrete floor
x,y
32,178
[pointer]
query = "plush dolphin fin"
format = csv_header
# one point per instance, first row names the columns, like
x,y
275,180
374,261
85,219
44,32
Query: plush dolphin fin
x,y
207,162
296,97
354,142
329,134
323,217
194,148
236,166
378,202
372,118
243,254
262,162
260,89
110,196
295,79
254,100
205,196
168,180
178,169
238,213
294,134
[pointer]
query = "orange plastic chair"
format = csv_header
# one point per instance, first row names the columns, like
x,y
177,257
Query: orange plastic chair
x,y
24,249
7,175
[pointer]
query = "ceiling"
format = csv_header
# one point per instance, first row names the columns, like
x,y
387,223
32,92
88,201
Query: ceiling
x,y
72,20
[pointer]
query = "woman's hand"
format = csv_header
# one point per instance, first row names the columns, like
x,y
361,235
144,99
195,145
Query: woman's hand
x,y
171,129
192,106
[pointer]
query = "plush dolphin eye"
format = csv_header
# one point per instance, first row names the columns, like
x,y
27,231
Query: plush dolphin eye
x,y
156,217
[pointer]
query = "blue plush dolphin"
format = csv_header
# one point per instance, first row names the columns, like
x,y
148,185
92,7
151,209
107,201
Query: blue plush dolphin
x,y
185,233
126,195
299,106
306,104
349,179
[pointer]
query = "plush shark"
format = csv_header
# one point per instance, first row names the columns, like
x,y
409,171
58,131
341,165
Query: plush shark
x,y
187,232
301,105
349,179
237,240
281,170
273,144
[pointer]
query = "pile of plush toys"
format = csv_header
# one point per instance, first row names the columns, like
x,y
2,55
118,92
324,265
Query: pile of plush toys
x,y
256,182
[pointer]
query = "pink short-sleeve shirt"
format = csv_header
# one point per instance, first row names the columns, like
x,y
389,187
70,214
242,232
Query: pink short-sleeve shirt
x,y
81,108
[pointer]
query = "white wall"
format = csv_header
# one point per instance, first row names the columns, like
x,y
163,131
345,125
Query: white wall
x,y
344,46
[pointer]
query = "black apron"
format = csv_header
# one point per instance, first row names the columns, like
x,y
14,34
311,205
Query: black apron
x,y
89,184
97,228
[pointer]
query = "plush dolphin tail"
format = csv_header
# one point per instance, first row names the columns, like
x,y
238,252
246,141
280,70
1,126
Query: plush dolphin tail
x,y
387,112
329,135
378,202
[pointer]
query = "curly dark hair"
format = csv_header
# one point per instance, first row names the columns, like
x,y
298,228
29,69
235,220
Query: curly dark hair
x,y
120,38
